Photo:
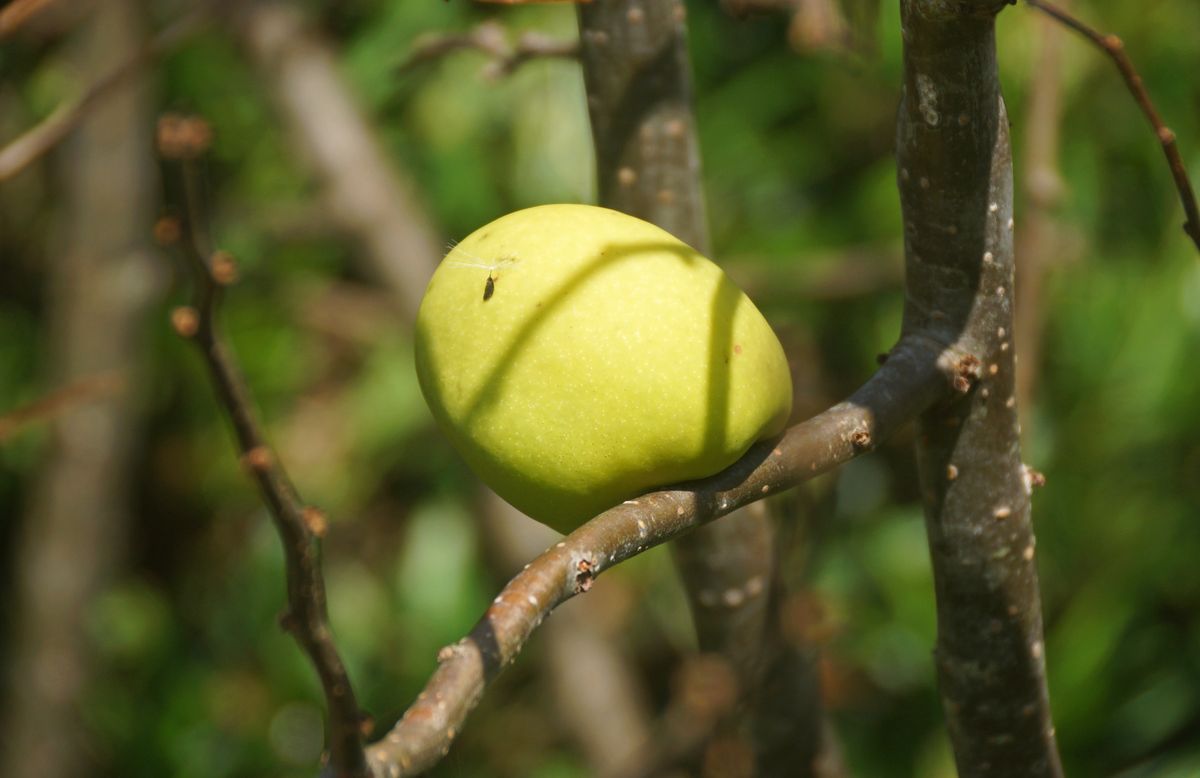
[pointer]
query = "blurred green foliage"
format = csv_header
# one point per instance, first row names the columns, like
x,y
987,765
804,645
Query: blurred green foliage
x,y
194,676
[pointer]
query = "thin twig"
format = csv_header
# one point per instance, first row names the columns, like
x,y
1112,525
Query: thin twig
x,y
491,39
33,144
300,527
16,13
918,373
1115,48
47,407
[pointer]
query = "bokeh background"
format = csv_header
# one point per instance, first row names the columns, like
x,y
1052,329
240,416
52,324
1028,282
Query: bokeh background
x,y
142,578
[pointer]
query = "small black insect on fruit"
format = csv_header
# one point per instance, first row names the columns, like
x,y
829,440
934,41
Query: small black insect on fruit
x,y
489,288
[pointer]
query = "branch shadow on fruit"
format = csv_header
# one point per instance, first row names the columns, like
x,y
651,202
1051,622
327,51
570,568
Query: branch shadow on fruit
x,y
724,301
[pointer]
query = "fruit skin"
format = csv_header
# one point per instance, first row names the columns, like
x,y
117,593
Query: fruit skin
x,y
577,357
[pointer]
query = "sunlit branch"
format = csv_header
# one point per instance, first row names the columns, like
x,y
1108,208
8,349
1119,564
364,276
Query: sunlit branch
x,y
917,374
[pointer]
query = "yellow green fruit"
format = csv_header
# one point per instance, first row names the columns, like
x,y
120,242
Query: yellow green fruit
x,y
577,357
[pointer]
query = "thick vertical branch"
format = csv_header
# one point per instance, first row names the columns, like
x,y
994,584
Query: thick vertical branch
x,y
638,79
100,284
955,178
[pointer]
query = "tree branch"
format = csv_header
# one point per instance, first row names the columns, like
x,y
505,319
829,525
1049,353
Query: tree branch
x,y
579,651
16,13
90,388
34,143
300,527
491,39
638,79
371,199
955,182
1114,47
918,372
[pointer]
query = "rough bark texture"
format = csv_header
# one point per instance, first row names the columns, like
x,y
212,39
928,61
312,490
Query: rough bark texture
x,y
101,282
955,181
638,78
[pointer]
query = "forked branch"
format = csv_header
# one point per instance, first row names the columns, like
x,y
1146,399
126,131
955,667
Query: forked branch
x,y
917,374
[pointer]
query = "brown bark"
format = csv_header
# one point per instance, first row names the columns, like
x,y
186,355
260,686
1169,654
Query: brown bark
x,y
638,78
917,374
299,526
611,718
100,283
955,183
